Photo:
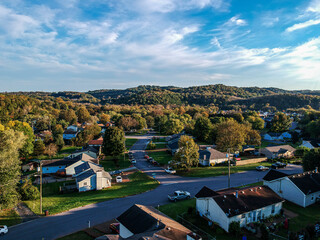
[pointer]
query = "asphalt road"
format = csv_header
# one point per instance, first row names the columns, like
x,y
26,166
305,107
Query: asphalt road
x,y
59,225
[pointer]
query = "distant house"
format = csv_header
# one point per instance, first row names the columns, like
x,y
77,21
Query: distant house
x,y
286,135
84,157
69,134
281,151
311,144
273,136
57,166
91,151
211,156
97,144
243,205
173,143
90,176
29,166
144,222
293,126
302,189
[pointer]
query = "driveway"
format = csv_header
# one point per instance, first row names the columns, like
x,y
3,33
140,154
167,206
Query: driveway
x,y
62,224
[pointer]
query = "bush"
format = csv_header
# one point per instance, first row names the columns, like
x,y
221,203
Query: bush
x,y
151,146
28,191
234,228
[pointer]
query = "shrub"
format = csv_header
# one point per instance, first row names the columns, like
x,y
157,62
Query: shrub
x,y
151,146
234,228
28,191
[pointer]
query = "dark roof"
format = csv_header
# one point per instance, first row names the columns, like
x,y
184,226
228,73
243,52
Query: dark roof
x,y
273,175
70,131
272,134
206,192
144,221
84,157
85,175
174,145
89,148
249,199
211,154
63,162
307,182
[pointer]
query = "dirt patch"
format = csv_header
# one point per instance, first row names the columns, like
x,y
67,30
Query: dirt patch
x,y
25,213
289,214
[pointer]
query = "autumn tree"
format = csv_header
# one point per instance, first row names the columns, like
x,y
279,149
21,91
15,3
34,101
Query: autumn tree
x,y
105,118
11,142
39,148
280,123
51,150
188,152
83,114
128,123
113,141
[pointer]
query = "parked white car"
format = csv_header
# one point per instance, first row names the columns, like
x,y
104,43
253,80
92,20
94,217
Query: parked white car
x,y
3,229
118,179
133,161
170,170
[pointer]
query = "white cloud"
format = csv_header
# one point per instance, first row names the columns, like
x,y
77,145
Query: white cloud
x,y
269,21
215,41
303,25
314,6
237,21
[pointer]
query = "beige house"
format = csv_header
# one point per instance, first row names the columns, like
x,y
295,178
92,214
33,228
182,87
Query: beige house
x,y
282,151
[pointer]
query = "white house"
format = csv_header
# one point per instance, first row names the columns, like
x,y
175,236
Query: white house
x,y
90,176
311,144
302,189
210,156
244,205
144,222
285,151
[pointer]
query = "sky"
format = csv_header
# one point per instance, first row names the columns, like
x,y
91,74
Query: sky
x,y
74,45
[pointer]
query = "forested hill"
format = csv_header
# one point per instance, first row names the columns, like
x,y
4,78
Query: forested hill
x,y
226,97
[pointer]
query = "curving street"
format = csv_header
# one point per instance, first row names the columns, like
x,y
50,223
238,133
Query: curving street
x,y
62,224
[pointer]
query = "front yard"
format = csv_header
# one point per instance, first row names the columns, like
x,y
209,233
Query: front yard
x,y
219,170
162,157
9,217
113,163
56,203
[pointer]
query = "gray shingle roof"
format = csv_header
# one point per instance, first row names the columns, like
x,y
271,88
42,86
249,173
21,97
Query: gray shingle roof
x,y
85,175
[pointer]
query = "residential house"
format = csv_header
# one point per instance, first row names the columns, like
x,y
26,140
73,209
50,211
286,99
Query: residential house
x,y
272,136
145,222
286,135
90,176
302,189
243,205
70,170
84,157
57,166
281,151
91,151
293,126
210,157
29,166
97,144
311,144
68,134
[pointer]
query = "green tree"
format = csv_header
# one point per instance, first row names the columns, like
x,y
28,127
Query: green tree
x,y
39,148
202,129
27,191
68,115
25,128
173,126
280,123
256,122
188,152
113,141
105,118
230,135
83,114
150,121
58,140
311,160
10,143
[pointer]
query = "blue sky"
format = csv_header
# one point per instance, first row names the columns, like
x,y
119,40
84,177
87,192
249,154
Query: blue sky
x,y
60,45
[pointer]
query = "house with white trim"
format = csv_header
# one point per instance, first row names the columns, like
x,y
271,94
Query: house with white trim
x,y
302,189
210,157
311,144
281,151
244,205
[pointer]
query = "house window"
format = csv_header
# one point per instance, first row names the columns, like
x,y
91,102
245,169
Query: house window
x,y
273,209
59,166
243,216
312,198
85,184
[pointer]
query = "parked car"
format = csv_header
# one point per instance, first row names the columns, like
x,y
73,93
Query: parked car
x,y
170,170
116,172
150,159
3,229
278,165
179,195
115,227
133,161
118,179
155,163
146,156
262,168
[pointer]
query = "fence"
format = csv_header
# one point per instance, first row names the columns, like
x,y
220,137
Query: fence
x,y
195,229
250,161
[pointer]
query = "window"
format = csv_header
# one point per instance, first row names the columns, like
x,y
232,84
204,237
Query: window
x,y
273,209
85,184
243,216
312,198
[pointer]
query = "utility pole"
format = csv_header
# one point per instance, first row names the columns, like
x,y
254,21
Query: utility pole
x,y
40,187
228,155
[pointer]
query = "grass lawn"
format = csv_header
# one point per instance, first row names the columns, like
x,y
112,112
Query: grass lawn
x,y
161,145
9,217
113,163
77,236
219,170
130,142
308,215
56,203
68,149
161,157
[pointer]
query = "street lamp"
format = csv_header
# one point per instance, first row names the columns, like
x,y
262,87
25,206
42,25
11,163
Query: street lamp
x,y
40,170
